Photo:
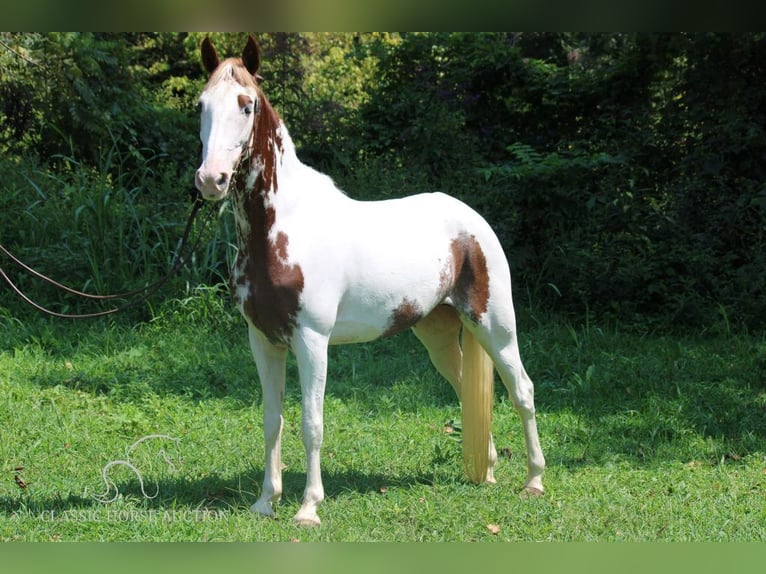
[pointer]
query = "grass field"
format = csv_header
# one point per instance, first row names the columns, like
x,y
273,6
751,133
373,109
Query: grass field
x,y
647,437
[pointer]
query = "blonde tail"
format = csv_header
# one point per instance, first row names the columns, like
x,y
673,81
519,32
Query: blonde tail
x,y
476,395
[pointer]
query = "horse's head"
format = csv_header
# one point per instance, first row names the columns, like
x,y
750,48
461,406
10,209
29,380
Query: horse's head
x,y
228,105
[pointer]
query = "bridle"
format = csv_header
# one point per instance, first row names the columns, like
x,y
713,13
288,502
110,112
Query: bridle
x,y
145,292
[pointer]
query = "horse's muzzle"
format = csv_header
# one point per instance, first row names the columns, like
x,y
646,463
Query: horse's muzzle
x,y
212,184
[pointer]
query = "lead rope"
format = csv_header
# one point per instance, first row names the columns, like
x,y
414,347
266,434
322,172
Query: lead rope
x,y
148,291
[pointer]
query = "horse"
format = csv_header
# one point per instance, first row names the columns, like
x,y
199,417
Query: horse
x,y
316,268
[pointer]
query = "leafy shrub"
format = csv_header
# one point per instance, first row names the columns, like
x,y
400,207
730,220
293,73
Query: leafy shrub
x,y
623,172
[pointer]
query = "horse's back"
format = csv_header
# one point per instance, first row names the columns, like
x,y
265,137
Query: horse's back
x,y
419,220
408,239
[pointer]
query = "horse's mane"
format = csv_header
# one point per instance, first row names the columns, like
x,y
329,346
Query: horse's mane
x,y
234,69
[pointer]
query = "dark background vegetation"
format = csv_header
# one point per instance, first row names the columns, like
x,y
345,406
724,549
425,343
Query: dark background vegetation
x,y
624,173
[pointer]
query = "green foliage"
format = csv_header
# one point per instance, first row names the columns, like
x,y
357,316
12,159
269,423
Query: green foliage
x,y
100,229
94,89
622,172
415,116
633,186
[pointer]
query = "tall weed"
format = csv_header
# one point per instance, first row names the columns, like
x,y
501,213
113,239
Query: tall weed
x,y
104,229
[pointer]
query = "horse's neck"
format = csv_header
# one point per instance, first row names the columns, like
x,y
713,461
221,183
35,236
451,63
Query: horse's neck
x,y
286,158
257,187
274,180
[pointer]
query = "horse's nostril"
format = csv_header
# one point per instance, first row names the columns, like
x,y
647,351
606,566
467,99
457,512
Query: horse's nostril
x,y
223,179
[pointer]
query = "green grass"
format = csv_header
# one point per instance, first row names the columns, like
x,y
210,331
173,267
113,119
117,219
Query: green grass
x,y
646,437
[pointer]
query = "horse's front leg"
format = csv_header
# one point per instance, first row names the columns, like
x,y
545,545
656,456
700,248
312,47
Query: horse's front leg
x,y
270,361
310,350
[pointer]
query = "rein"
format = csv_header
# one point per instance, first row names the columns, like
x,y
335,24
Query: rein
x,y
147,291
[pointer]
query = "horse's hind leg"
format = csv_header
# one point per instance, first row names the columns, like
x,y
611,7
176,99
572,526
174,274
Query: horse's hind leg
x,y
502,345
439,332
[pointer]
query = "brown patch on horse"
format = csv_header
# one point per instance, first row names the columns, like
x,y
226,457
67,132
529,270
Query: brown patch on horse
x,y
404,316
273,300
281,245
243,100
275,286
470,288
267,143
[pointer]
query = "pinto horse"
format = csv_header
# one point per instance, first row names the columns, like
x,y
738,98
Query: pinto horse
x,y
317,268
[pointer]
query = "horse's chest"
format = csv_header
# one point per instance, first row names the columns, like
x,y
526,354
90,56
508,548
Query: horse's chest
x,y
267,289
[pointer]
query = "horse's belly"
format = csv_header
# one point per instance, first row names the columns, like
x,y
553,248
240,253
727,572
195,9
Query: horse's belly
x,y
348,331
368,313
360,318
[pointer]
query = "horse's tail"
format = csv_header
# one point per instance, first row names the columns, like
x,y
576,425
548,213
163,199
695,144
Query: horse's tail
x,y
476,393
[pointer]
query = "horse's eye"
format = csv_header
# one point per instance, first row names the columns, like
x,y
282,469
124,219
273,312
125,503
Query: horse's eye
x,y
245,104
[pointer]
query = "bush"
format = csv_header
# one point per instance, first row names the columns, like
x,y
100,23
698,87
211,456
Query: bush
x,y
623,172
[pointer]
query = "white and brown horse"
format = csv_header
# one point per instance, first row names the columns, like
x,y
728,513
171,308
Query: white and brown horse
x,y
317,268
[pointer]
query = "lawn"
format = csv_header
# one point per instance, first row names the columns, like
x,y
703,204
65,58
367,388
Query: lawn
x,y
648,437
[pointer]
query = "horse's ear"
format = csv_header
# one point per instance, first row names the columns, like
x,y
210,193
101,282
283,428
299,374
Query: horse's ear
x,y
209,56
251,56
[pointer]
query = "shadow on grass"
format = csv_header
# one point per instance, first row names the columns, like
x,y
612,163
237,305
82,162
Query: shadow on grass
x,y
212,493
601,396
200,367
619,397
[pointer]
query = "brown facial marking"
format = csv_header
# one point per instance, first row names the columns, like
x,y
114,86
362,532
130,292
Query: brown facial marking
x,y
243,100
404,316
470,290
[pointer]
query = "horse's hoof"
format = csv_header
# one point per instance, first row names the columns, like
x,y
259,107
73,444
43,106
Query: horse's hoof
x,y
307,521
531,491
264,509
